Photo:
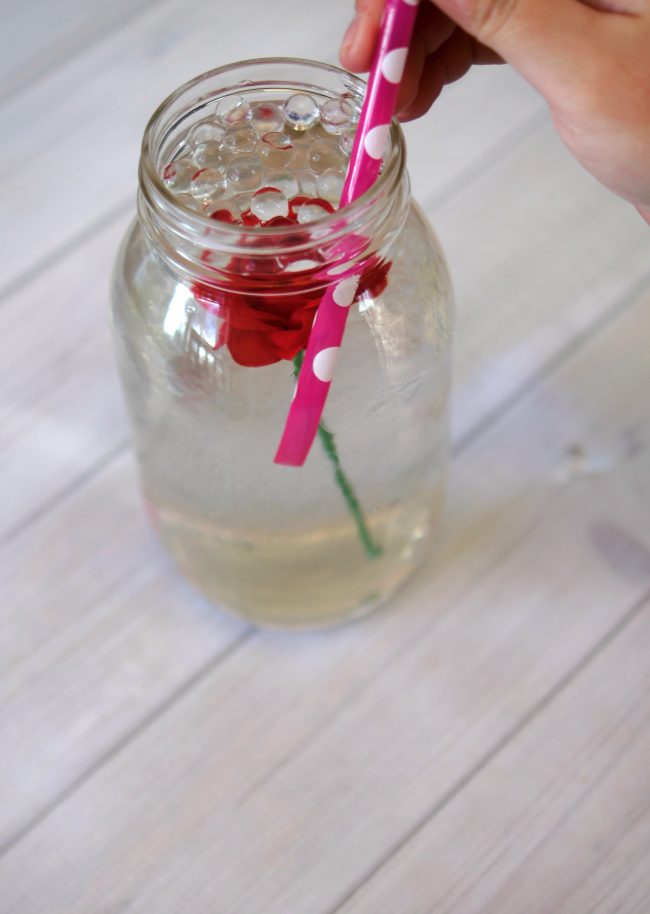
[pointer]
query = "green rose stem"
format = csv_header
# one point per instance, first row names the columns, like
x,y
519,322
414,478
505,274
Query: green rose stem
x,y
344,484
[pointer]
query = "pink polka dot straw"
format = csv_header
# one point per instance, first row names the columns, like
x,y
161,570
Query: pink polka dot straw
x,y
327,332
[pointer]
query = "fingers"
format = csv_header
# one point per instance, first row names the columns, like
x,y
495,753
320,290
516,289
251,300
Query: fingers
x,y
432,28
447,64
542,39
439,53
361,36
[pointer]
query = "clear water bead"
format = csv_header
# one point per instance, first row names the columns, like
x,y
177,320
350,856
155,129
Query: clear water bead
x,y
336,115
220,206
355,106
178,175
323,155
301,112
267,118
275,149
330,185
245,173
207,183
240,203
346,140
209,155
240,138
188,201
232,109
308,185
310,212
283,181
267,204
206,132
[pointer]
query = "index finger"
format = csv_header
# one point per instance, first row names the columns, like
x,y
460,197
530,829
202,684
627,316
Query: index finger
x,y
361,37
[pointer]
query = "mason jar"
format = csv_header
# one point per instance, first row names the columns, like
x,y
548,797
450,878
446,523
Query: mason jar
x,y
210,320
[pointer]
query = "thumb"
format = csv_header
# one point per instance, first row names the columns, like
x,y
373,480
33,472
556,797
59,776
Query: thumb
x,y
544,40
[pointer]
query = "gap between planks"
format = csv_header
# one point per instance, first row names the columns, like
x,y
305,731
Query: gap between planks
x,y
530,717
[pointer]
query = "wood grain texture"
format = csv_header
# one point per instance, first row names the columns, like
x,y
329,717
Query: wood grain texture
x,y
482,746
559,821
317,761
37,36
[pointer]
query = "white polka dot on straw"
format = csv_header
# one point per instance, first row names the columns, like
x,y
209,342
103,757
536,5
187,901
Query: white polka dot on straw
x,y
393,64
345,291
376,140
324,362
322,348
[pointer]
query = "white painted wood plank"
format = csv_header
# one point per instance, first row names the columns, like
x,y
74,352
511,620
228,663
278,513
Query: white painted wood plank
x,y
279,781
98,633
83,124
537,251
61,410
559,821
37,36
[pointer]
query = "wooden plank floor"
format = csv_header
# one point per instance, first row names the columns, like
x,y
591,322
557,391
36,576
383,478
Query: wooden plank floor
x,y
481,746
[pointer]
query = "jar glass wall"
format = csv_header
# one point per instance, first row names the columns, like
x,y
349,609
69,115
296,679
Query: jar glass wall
x,y
283,545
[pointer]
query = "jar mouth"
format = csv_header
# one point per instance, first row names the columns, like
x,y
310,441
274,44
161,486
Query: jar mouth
x,y
272,73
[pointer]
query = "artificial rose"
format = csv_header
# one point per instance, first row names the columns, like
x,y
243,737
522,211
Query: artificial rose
x,y
266,321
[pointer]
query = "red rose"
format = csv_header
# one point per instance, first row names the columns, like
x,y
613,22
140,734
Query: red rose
x,y
268,318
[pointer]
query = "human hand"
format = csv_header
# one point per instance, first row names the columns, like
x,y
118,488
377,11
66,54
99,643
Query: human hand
x,y
590,59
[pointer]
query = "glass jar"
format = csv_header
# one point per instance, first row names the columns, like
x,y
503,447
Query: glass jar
x,y
283,545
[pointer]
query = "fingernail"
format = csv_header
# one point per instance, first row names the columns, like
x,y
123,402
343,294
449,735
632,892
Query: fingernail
x,y
350,36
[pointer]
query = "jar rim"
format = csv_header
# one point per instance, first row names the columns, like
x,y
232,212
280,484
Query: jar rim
x,y
343,220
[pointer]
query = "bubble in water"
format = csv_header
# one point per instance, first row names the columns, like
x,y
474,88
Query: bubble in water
x,y
178,175
275,149
207,183
301,112
232,109
284,181
245,173
330,185
336,115
206,132
209,155
269,203
240,138
267,118
346,140
323,155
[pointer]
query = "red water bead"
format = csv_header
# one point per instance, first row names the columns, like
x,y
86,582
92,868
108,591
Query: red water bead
x,y
169,172
277,139
249,219
318,201
267,189
296,202
265,111
280,220
224,215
